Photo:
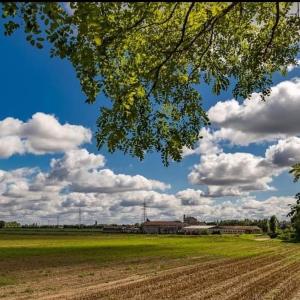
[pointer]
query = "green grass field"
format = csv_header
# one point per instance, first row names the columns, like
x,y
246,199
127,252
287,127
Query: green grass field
x,y
99,247
25,254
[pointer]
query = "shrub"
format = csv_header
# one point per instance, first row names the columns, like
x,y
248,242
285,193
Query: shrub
x,y
273,235
204,232
286,234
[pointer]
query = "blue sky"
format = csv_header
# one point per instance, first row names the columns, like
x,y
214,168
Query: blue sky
x,y
31,82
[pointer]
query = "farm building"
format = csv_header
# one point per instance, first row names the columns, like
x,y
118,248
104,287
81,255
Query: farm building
x,y
235,229
191,220
113,229
162,227
197,229
202,229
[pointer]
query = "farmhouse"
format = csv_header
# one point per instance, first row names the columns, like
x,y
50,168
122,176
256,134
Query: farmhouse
x,y
235,229
162,227
197,229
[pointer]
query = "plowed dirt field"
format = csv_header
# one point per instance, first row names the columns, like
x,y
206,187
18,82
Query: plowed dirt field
x,y
155,267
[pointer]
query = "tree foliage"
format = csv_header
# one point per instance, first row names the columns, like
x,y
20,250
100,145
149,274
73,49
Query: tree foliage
x,y
295,216
296,171
152,59
274,224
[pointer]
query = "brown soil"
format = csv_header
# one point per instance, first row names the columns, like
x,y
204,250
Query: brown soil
x,y
265,277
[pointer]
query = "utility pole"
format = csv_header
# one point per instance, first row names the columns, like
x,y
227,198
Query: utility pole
x,y
144,211
79,217
57,220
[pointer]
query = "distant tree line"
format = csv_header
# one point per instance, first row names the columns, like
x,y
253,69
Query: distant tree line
x,y
285,230
263,223
12,224
294,214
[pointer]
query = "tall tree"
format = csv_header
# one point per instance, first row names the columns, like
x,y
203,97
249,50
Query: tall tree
x,y
295,216
152,59
296,171
273,225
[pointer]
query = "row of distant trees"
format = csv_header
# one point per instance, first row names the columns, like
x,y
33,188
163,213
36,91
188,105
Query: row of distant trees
x,y
286,230
289,231
294,214
12,224
270,226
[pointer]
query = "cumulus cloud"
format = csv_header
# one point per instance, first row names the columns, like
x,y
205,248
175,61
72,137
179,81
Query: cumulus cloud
x,y
10,127
81,172
285,153
254,120
232,174
74,161
124,207
41,134
291,67
10,145
237,174
193,197
30,195
106,181
207,145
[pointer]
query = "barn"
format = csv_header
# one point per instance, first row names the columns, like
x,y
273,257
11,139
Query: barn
x,y
235,229
197,229
157,227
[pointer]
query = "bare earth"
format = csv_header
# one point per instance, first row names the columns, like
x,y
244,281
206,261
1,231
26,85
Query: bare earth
x,y
264,277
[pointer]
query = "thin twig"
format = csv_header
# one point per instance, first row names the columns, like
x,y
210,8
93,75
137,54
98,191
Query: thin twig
x,y
183,31
277,17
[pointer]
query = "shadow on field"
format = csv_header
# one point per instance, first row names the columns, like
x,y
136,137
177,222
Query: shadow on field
x,y
30,258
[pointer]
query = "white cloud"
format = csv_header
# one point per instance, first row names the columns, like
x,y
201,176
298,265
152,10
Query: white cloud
x,y
207,145
290,68
254,120
44,134
237,174
10,145
193,197
126,207
232,174
10,127
285,153
81,172
75,161
30,195
39,135
106,181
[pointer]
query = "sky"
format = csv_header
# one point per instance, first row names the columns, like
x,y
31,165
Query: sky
x,y
50,165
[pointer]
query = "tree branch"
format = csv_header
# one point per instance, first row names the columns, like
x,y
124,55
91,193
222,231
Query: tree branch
x,y
138,22
164,21
203,53
277,17
208,25
183,30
